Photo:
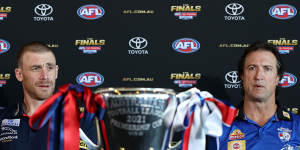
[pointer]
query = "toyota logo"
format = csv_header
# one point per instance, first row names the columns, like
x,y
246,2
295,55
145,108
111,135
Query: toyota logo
x,y
138,43
234,9
232,77
43,10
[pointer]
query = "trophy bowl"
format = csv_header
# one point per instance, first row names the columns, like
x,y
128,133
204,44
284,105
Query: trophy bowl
x,y
134,117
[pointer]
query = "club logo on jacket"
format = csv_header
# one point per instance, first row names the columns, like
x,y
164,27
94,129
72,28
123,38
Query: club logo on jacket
x,y
284,134
236,134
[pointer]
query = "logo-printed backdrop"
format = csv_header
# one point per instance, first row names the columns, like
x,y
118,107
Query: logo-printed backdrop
x,y
171,44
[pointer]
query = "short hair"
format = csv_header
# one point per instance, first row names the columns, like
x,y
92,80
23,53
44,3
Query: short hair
x,y
35,46
256,46
261,46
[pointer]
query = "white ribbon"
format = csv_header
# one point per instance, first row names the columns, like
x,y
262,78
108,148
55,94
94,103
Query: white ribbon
x,y
207,119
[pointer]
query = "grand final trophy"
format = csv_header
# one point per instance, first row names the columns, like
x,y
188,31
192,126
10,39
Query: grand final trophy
x,y
134,117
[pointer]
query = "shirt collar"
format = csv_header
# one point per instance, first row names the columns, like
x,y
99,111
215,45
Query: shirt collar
x,y
281,113
19,111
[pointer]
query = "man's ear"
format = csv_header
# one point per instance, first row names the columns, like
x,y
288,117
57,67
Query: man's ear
x,y
241,77
278,80
56,71
19,75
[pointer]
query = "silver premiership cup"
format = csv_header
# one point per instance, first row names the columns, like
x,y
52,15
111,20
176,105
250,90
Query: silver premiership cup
x,y
134,117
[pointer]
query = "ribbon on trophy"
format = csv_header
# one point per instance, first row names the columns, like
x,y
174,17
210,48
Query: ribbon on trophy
x,y
62,113
196,114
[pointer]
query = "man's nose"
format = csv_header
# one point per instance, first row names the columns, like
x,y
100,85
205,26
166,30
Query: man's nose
x,y
44,74
259,74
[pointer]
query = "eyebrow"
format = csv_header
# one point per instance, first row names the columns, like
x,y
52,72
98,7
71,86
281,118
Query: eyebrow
x,y
47,64
258,65
268,66
251,65
50,64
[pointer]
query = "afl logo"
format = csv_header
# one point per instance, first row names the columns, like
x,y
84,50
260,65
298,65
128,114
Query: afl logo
x,y
4,46
283,11
90,12
186,45
90,79
288,80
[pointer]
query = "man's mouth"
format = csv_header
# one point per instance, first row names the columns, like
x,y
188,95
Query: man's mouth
x,y
43,85
259,86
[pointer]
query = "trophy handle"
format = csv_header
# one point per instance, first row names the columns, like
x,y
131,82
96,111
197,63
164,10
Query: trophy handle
x,y
171,144
88,142
98,131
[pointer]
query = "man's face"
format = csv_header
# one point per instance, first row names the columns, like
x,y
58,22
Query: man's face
x,y
38,74
260,76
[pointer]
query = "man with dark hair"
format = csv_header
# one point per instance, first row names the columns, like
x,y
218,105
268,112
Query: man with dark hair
x,y
267,47
261,123
37,71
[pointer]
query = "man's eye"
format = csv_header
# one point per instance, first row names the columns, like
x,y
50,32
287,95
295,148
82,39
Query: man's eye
x,y
35,69
50,67
268,69
251,68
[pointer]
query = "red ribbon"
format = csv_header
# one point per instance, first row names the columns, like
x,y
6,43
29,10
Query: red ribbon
x,y
66,97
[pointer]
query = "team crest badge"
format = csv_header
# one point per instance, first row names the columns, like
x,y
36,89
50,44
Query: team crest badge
x,y
284,134
236,134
